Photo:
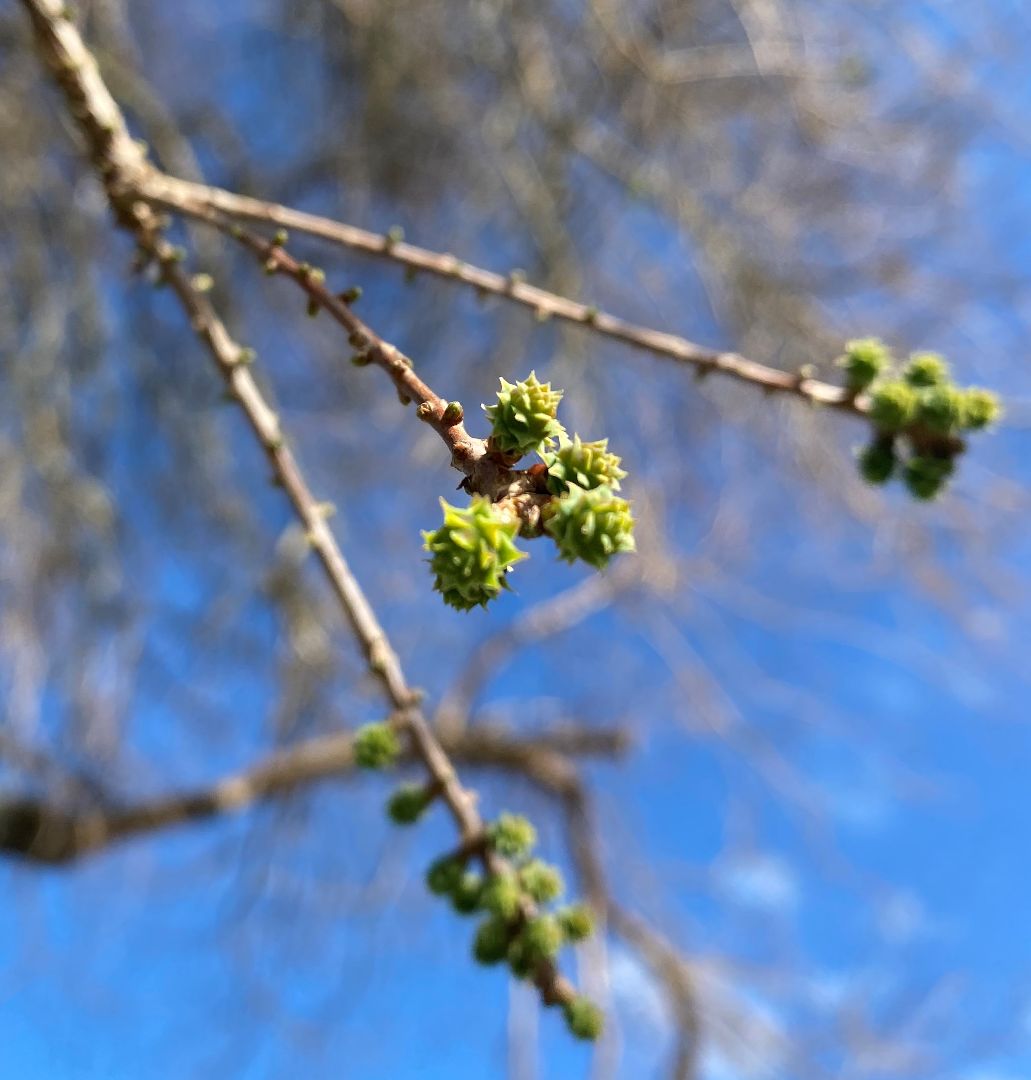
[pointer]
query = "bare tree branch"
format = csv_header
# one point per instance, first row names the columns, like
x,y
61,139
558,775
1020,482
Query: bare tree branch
x,y
42,830
121,163
199,200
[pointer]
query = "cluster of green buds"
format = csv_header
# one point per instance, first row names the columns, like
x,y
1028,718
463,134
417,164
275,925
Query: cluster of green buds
x,y
515,928
514,895
918,413
472,552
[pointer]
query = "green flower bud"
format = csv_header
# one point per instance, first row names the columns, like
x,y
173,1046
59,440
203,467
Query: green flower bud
x,y
539,940
471,552
892,405
877,461
407,804
864,360
512,835
588,465
926,369
590,525
501,895
376,746
453,413
576,922
940,408
525,415
444,876
926,476
490,946
979,408
541,881
584,1019
465,896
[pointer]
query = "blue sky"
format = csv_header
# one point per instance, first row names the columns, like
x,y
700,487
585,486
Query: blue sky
x,y
858,822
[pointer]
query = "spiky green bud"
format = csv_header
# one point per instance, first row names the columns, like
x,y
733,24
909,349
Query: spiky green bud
x,y
584,1019
590,525
501,895
539,940
926,476
407,804
926,369
525,416
541,881
512,835
471,552
864,360
979,408
444,876
893,405
586,464
490,946
376,746
940,408
465,896
877,461
576,922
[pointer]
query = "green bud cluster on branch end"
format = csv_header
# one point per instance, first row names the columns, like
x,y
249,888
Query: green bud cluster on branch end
x,y
509,895
919,416
514,929
472,552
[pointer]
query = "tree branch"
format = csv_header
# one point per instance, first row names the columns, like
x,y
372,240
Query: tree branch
x,y
199,200
519,490
41,830
120,162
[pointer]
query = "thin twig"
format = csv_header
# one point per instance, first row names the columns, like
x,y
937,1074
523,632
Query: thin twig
x,y
520,490
199,200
